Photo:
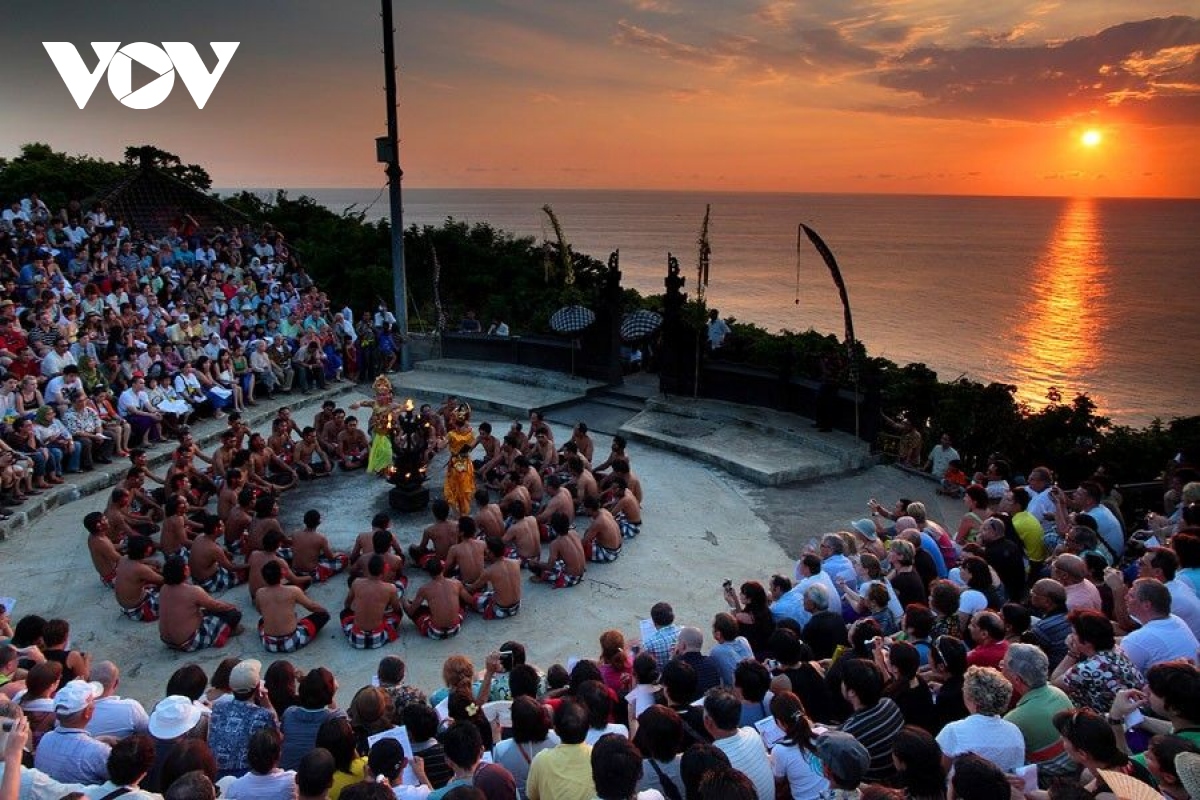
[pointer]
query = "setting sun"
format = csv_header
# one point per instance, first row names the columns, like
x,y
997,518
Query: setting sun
x,y
1090,138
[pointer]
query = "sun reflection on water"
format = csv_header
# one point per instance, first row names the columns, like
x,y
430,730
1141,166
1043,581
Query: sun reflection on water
x,y
1059,335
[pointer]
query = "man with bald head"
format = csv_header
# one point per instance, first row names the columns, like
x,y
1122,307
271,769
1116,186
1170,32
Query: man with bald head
x,y
687,650
113,715
1071,571
1049,599
1162,636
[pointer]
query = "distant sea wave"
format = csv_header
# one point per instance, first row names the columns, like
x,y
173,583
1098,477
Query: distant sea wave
x,y
1086,295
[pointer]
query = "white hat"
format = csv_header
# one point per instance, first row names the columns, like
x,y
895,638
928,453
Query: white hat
x,y
245,675
173,717
184,318
75,697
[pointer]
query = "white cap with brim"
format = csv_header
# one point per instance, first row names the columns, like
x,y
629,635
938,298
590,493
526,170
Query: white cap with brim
x,y
75,697
245,675
174,716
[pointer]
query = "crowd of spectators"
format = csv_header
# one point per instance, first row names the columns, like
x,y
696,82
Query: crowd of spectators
x,y
112,338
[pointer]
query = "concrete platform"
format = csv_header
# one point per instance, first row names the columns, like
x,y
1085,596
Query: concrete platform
x,y
509,389
764,447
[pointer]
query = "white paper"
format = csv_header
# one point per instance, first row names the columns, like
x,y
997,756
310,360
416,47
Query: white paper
x,y
646,626
9,603
399,733
770,731
1029,774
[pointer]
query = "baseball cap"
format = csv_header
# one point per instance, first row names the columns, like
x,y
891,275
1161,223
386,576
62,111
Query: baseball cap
x,y
174,716
245,675
865,527
75,697
847,758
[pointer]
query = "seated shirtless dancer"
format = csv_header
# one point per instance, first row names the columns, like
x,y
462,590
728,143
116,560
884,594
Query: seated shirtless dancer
x,y
124,522
523,537
371,617
488,518
511,489
438,538
177,529
503,575
602,540
266,520
279,630
227,498
437,607
101,547
137,582
364,542
465,560
189,618
625,509
329,431
566,563
353,447
237,524
211,568
311,553
558,500
310,460
393,565
268,553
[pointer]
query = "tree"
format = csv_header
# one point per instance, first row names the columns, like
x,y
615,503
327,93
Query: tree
x,y
56,177
193,175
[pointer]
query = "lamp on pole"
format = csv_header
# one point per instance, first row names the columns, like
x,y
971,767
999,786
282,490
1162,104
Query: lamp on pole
x,y
388,152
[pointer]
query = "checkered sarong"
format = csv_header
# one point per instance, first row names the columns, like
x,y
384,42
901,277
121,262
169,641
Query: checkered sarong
x,y
485,604
425,626
370,640
600,554
213,632
146,610
219,582
326,568
305,632
629,530
557,576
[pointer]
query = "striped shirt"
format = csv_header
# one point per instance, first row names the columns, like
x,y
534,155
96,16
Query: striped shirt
x,y
876,729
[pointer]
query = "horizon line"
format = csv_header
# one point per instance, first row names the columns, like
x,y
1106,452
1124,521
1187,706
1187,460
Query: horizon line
x,y
222,189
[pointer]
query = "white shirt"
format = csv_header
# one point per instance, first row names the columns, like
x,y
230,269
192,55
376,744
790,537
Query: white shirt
x,y
53,363
802,769
1041,504
278,785
1185,604
118,716
1109,528
748,755
941,458
993,738
594,734
1159,640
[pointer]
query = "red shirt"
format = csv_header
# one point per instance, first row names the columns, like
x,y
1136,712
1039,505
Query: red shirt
x,y
987,655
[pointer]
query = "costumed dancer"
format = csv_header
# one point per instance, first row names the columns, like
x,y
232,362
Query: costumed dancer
x,y
380,457
459,488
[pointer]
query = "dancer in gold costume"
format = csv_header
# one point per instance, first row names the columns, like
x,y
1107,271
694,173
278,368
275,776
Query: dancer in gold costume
x,y
460,471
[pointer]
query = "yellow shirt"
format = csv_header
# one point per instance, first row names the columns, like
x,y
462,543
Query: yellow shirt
x,y
1031,534
343,779
563,772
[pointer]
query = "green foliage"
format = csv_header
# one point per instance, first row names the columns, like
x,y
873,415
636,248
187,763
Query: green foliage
x,y
56,177
193,175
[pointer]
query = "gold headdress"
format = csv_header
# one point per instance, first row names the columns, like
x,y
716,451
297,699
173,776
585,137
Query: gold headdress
x,y
382,385
462,412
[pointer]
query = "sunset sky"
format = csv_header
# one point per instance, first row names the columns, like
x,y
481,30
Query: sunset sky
x,y
926,96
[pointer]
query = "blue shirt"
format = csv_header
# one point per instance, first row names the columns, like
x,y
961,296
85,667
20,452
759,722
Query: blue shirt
x,y
660,643
791,606
229,730
930,545
70,755
727,655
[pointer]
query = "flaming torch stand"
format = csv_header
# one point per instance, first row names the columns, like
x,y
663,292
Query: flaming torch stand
x,y
409,493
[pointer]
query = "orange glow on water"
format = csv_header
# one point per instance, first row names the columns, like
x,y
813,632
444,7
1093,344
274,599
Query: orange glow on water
x,y
1061,335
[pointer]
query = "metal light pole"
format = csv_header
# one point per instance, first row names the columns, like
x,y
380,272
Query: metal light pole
x,y
388,151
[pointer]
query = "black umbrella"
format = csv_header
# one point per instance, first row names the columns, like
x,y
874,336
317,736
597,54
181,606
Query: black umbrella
x,y
572,319
639,324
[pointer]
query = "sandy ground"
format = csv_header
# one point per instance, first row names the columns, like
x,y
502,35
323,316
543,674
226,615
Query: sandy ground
x,y
701,526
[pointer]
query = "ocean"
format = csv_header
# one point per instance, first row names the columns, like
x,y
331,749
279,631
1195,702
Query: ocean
x,y
1081,294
